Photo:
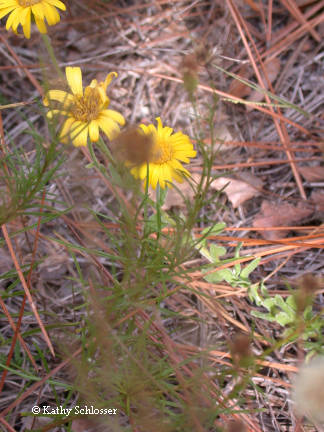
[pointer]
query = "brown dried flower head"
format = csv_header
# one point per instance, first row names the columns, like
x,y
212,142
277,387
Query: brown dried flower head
x,y
133,146
236,426
189,67
240,350
308,285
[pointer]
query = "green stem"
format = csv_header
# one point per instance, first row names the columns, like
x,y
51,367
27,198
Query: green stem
x,y
158,210
50,51
146,198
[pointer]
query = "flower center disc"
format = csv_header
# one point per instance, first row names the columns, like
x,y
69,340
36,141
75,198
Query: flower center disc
x,y
26,3
86,108
161,152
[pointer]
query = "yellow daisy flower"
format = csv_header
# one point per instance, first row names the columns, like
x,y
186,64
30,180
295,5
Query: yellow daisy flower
x,y
22,10
86,110
164,160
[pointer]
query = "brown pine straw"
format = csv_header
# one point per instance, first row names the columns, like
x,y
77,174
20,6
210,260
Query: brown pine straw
x,y
171,345
299,17
26,289
284,42
281,128
21,311
5,150
29,75
228,97
38,384
296,146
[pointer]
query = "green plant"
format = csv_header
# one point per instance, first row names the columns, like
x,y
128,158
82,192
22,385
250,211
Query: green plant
x,y
308,324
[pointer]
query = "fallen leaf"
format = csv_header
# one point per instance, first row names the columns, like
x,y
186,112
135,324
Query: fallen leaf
x,y
312,173
237,87
238,191
318,199
272,215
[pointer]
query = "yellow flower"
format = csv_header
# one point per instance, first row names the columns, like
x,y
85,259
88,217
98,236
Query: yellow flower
x,y
164,160
86,110
21,11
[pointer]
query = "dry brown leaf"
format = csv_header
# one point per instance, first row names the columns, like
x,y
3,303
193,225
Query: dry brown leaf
x,y
238,88
272,215
238,191
272,68
312,173
318,199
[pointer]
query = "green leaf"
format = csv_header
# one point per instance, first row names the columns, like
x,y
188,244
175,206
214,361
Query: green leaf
x,y
253,293
269,304
213,230
283,319
263,315
216,251
237,267
291,302
249,268
219,276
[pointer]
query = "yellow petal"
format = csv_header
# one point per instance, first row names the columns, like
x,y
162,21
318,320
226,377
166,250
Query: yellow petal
x,y
179,178
26,25
38,10
109,127
55,112
81,139
114,115
51,14
159,122
5,11
74,79
65,132
154,176
94,131
41,25
12,17
8,3
60,96
142,171
109,78
79,133
57,3
145,129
